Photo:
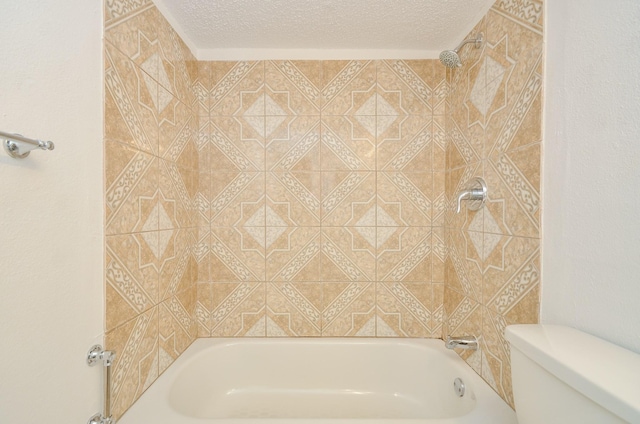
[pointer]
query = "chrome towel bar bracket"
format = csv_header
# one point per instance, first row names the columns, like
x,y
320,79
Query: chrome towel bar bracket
x,y
19,147
95,356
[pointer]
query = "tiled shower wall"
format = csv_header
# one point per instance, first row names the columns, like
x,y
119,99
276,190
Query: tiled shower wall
x,y
314,198
151,196
492,269
327,198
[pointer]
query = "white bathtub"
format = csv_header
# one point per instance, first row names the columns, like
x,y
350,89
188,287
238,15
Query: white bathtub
x,y
319,381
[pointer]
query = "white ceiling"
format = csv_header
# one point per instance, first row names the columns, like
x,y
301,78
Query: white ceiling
x,y
321,29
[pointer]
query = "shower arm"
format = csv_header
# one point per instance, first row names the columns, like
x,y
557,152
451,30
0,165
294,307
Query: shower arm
x,y
477,41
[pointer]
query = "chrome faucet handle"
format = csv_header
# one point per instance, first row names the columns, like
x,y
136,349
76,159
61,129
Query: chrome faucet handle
x,y
476,193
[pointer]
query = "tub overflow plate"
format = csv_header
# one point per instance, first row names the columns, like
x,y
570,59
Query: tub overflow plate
x,y
458,387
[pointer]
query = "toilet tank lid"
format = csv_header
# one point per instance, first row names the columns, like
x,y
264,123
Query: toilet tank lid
x,y
606,373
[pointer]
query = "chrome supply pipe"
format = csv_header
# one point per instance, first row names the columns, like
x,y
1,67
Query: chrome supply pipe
x,y
97,354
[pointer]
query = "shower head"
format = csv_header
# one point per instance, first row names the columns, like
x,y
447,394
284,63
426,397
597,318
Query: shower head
x,y
451,59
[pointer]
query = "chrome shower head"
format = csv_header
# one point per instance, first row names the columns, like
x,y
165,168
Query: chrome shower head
x,y
451,59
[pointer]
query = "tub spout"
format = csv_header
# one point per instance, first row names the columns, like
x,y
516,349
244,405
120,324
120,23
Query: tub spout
x,y
463,342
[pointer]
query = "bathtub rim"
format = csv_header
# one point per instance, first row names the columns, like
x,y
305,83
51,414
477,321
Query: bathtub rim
x,y
488,403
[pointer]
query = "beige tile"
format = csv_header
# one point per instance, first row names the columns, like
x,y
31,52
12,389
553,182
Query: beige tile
x,y
512,271
295,145
450,262
174,262
237,144
439,143
515,116
348,198
294,309
438,254
177,328
202,87
497,361
523,126
404,199
437,316
273,124
527,309
130,100
204,308
177,130
239,91
238,310
348,143
514,191
465,144
175,206
131,184
349,309
406,144
191,64
204,145
348,254
404,309
405,87
451,178
530,14
293,198
201,203
133,29
404,254
131,276
293,254
201,254
440,90
219,70
292,87
349,88
438,202
189,157
237,254
238,199
463,269
136,365
527,160
174,60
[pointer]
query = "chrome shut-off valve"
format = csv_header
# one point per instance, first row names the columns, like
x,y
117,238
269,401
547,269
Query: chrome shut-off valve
x,y
475,193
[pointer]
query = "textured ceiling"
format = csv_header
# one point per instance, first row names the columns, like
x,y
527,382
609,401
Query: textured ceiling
x,y
321,29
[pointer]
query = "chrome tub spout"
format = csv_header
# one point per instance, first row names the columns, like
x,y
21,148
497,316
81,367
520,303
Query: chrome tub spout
x,y
463,342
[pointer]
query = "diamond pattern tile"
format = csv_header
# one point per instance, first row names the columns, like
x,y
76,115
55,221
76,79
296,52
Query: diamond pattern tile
x,y
314,198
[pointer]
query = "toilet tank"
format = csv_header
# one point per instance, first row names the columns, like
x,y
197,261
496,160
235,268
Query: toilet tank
x,y
562,375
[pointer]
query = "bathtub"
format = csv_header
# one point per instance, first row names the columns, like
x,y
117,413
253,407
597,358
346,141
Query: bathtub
x,y
319,381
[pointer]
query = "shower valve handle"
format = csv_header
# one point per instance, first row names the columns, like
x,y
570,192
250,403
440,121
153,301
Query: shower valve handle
x,y
476,193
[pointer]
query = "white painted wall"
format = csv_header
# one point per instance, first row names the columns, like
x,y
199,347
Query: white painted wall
x,y
591,220
51,295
